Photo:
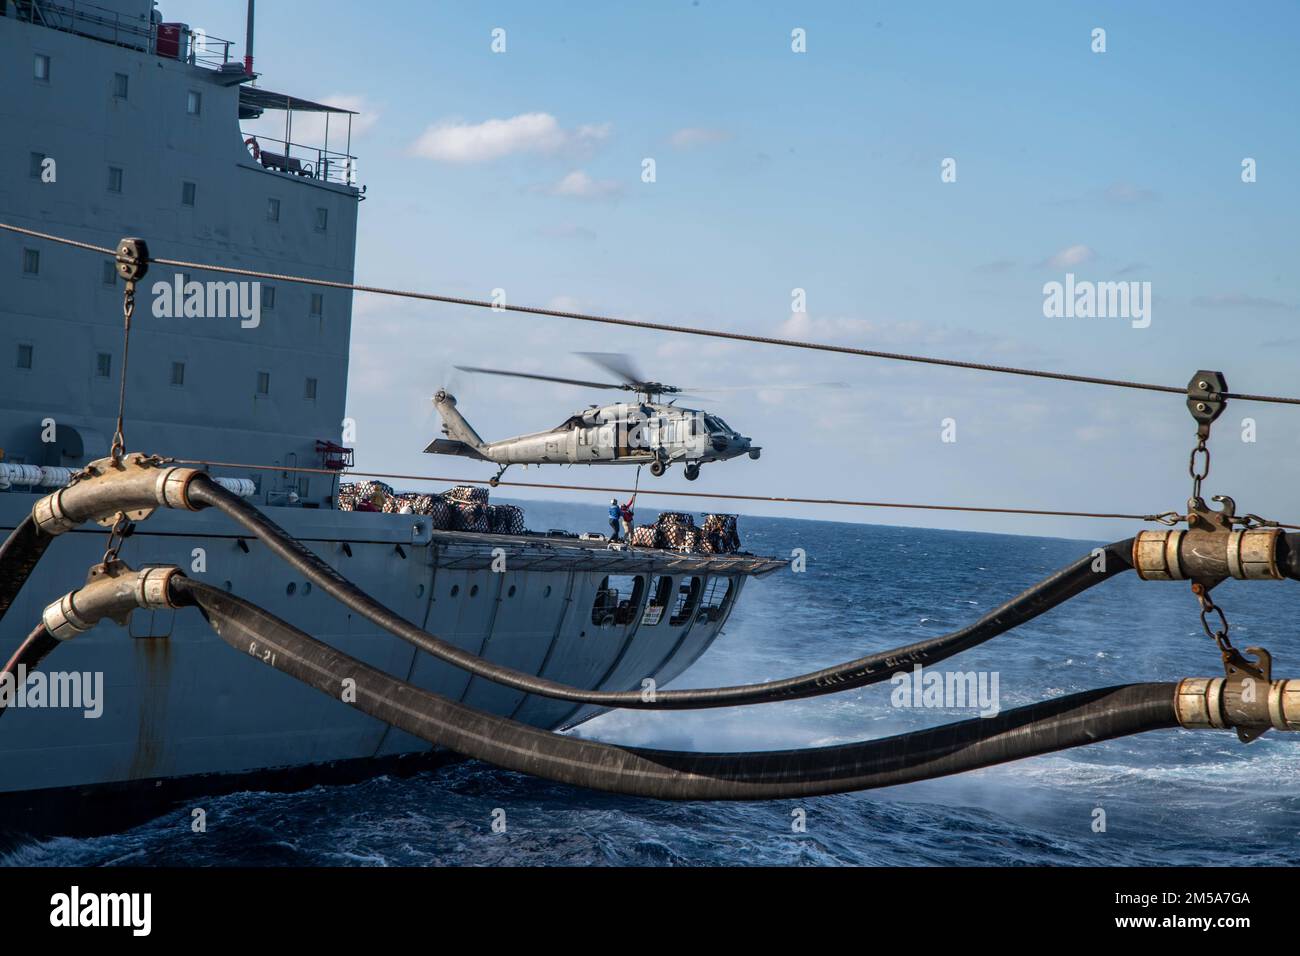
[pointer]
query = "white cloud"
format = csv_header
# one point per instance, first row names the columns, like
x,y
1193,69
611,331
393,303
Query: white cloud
x,y
1071,256
579,185
455,142
691,136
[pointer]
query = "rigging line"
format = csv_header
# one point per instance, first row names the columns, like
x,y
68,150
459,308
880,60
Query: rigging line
x,y
774,499
90,247
664,327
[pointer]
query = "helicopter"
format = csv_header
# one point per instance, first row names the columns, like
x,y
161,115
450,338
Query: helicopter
x,y
647,431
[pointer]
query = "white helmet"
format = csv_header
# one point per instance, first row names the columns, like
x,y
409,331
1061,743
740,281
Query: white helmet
x,y
613,501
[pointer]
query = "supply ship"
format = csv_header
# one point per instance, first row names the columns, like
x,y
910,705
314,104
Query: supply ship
x,y
120,123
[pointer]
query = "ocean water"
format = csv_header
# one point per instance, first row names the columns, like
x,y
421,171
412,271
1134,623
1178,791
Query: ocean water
x,y
1169,797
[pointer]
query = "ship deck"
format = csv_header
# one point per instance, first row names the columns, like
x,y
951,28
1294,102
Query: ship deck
x,y
468,551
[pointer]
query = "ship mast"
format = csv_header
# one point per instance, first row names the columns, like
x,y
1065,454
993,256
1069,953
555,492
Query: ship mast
x,y
248,41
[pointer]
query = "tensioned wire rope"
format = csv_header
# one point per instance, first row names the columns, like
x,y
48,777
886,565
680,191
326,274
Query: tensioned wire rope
x,y
685,330
655,326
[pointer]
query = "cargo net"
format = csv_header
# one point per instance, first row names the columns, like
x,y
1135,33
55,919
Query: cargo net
x,y
677,531
463,508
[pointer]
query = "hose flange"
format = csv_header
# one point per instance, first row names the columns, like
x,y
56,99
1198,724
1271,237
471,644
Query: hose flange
x,y
134,486
1247,554
1217,703
112,591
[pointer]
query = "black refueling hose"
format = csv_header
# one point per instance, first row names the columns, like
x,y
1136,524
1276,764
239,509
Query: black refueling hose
x,y
871,669
1289,559
19,554
1040,728
34,649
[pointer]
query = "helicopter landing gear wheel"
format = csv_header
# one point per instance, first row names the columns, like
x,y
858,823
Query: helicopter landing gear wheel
x,y
494,481
657,468
692,472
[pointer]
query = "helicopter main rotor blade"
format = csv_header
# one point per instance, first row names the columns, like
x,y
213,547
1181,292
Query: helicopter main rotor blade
x,y
617,364
783,387
537,378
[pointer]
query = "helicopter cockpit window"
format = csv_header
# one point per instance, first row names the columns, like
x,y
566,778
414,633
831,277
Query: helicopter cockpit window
x,y
715,424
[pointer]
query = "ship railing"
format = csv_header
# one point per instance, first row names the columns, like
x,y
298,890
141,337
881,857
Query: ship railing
x,y
301,159
196,47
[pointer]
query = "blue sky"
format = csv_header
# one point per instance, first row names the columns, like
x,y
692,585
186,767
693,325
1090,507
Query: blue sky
x,y
821,171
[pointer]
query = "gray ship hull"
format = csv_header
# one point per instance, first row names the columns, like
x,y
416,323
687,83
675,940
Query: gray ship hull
x,y
179,702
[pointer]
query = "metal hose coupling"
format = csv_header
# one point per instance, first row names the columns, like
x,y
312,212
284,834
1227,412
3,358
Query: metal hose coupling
x,y
1246,704
1247,554
134,486
112,591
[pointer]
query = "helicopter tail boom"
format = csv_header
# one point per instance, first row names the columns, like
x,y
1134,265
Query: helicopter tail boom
x,y
463,440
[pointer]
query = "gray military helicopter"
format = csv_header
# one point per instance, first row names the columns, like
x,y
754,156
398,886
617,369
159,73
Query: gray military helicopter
x,y
645,432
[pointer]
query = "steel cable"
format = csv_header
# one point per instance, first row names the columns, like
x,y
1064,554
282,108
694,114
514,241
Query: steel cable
x,y
656,326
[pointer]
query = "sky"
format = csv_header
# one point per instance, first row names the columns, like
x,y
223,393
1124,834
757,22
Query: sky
x,y
824,171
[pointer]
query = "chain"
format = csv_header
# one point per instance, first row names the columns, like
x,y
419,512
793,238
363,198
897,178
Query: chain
x,y
1199,475
1220,634
128,310
116,535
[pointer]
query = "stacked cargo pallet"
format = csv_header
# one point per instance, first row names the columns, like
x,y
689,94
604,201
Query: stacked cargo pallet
x,y
720,534
677,532
505,519
645,536
463,508
469,508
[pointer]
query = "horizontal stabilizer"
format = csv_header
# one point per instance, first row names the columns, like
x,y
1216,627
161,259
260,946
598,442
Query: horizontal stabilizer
x,y
443,446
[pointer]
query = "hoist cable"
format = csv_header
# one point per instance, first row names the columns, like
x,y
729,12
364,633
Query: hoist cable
x,y
660,326
1045,727
860,672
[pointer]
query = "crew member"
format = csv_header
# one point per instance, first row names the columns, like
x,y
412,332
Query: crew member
x,y
625,514
615,513
374,503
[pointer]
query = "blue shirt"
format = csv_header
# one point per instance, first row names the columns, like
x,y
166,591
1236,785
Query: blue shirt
x,y
614,512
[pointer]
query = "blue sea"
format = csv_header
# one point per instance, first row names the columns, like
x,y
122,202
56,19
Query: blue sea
x,y
1169,797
